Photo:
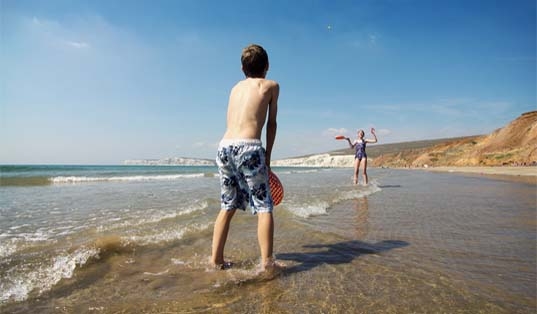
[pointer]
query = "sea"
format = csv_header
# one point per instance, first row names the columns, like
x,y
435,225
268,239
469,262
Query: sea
x,y
137,239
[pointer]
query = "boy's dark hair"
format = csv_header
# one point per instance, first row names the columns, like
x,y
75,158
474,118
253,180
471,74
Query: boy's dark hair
x,y
254,61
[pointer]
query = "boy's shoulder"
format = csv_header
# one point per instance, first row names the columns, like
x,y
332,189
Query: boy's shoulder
x,y
270,81
261,81
270,84
258,82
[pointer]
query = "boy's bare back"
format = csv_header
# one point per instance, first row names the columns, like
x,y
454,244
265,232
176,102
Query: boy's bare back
x,y
249,103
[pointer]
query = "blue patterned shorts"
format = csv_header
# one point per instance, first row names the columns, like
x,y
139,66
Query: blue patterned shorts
x,y
243,176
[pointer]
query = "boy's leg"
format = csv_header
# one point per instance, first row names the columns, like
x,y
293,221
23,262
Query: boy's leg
x,y
265,236
221,229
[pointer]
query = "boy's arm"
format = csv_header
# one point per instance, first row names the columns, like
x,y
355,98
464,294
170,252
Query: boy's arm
x,y
272,125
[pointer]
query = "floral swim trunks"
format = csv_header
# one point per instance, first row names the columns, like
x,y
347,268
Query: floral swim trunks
x,y
243,175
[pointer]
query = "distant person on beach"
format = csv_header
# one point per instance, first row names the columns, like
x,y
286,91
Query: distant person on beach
x,y
243,163
360,154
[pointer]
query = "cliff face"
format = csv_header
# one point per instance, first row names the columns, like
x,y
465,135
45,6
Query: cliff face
x,y
514,144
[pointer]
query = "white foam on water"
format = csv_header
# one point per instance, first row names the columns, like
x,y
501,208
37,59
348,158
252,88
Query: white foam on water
x,y
7,249
14,242
296,171
306,211
154,217
359,192
165,235
18,282
305,171
18,227
319,205
39,235
196,206
84,179
177,261
96,308
12,245
156,274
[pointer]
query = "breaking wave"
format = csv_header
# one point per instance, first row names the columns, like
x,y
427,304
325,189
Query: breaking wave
x,y
19,283
318,205
82,179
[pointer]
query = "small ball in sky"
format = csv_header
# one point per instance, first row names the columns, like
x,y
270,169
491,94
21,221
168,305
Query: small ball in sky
x,y
329,27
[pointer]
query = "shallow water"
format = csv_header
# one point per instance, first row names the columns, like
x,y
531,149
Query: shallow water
x,y
410,242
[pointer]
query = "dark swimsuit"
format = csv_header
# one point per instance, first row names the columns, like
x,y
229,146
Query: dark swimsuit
x,y
360,150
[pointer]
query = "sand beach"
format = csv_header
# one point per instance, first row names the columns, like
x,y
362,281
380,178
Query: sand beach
x,y
521,174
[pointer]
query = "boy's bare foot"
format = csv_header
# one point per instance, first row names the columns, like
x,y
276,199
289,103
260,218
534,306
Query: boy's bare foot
x,y
223,266
271,269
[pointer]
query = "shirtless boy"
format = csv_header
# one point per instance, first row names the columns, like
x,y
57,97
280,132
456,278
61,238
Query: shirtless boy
x,y
242,161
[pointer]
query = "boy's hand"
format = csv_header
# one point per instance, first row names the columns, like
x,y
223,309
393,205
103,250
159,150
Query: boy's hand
x,y
373,130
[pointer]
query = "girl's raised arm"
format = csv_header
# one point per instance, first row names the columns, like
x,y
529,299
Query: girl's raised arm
x,y
374,135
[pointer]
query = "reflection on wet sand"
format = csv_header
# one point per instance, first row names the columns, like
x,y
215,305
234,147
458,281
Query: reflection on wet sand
x,y
361,208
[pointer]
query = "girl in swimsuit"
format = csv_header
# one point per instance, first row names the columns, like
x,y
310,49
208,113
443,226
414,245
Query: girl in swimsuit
x,y
360,154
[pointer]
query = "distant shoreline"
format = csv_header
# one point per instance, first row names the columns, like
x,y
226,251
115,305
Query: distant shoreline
x,y
499,170
518,174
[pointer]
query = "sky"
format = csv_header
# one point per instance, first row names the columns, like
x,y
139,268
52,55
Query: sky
x,y
102,81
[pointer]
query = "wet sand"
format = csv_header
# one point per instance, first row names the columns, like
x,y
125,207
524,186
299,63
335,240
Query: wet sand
x,y
518,174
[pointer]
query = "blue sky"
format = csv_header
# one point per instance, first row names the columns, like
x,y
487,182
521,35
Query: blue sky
x,y
98,82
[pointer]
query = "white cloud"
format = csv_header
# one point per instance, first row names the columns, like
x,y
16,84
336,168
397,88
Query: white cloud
x,y
383,132
78,44
335,131
36,21
373,39
447,107
365,40
52,32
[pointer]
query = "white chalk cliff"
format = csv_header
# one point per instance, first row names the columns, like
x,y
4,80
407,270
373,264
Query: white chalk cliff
x,y
321,160
172,161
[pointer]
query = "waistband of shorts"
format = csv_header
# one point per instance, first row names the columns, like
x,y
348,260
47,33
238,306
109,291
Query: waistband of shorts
x,y
240,141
